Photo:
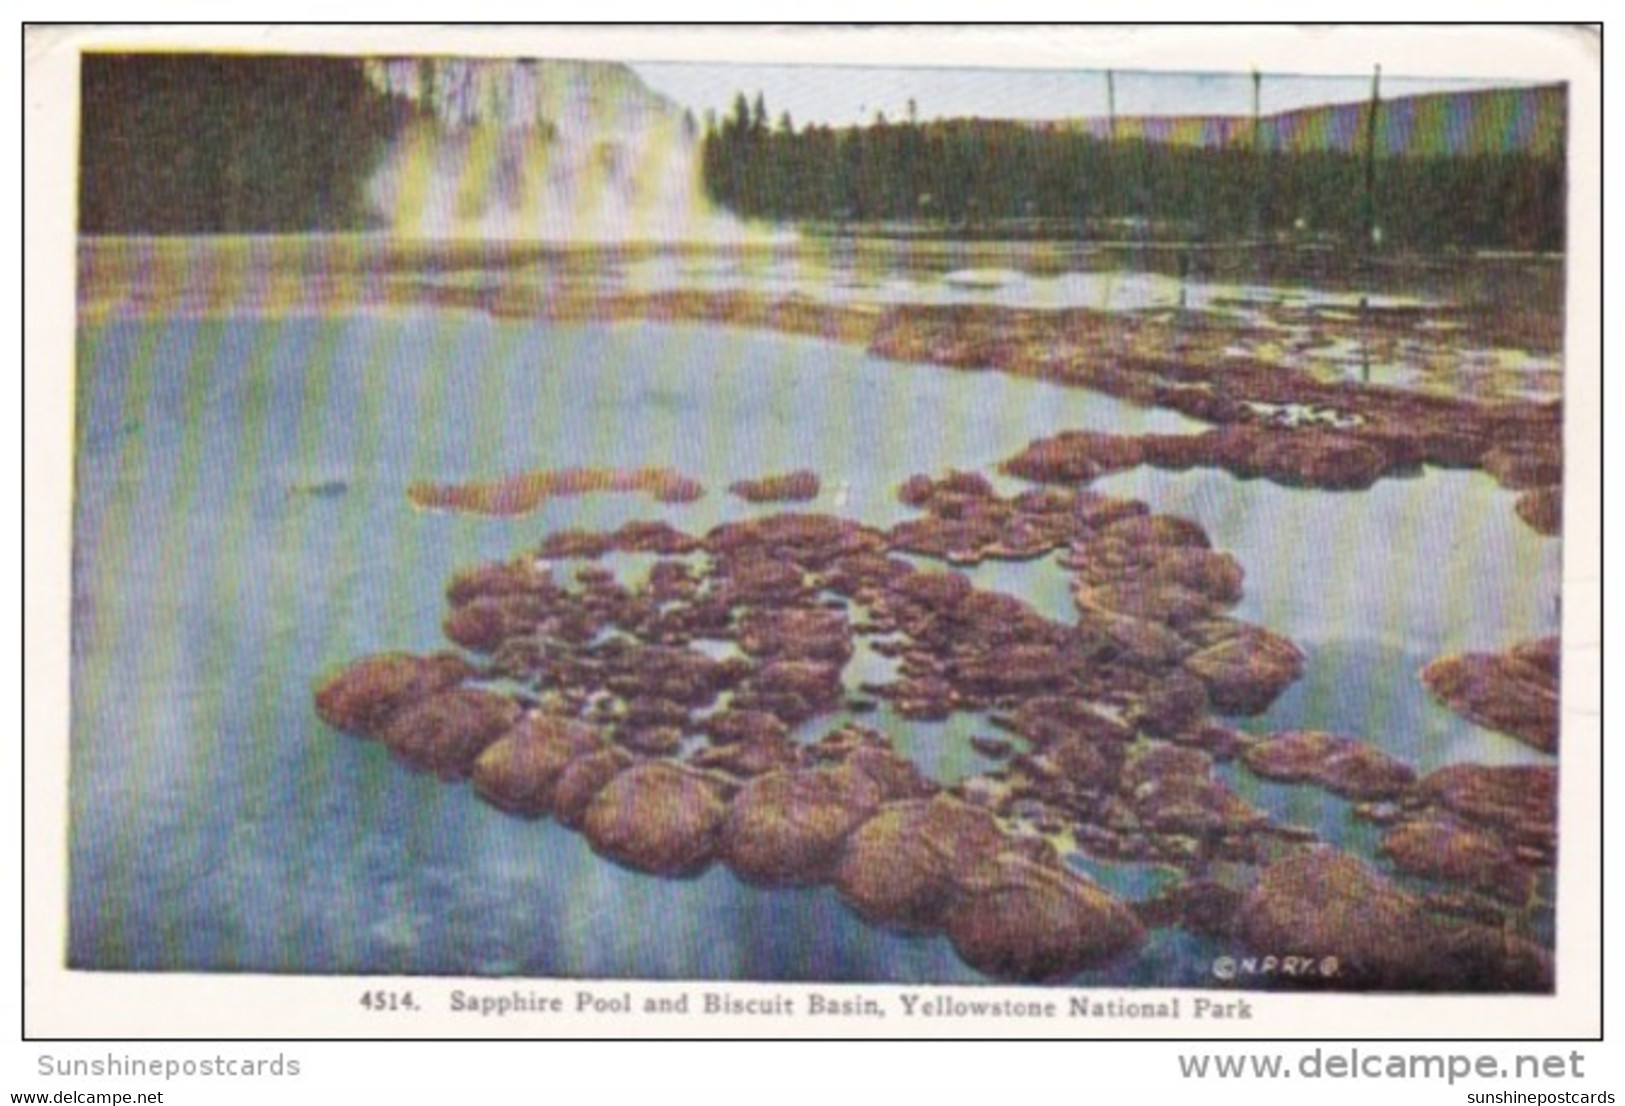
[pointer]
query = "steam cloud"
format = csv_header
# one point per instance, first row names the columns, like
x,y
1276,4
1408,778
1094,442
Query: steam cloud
x,y
551,151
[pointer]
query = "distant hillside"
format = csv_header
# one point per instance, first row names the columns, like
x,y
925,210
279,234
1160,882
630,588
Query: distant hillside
x,y
1454,124
1462,170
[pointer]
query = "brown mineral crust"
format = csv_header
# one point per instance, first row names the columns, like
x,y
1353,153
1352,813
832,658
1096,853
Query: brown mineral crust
x,y
960,541
917,490
759,580
1075,457
994,748
897,870
524,492
658,817
1086,765
483,623
1107,557
581,780
1518,802
1342,765
361,699
794,690
657,672
1448,448
729,726
923,698
650,740
1173,791
896,776
1047,719
1245,673
1502,692
1136,641
934,593
1444,850
1152,762
498,581
1382,936
672,581
1030,922
1543,654
1542,509
575,544
862,575
446,733
1169,530
815,634
1319,459
1014,671
1171,705
652,537
517,772
745,759
1208,908
642,709
1168,604
949,491
790,487
1521,466
1227,447
788,828
1221,742
811,541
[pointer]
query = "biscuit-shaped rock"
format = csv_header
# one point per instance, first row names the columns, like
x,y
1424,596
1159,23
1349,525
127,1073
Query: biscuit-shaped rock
x,y
1381,936
581,781
517,772
1519,802
1441,849
360,699
789,487
1246,672
897,870
1342,765
1020,920
658,817
1515,693
788,828
446,733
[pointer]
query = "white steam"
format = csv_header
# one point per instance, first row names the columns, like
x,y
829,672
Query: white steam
x,y
553,151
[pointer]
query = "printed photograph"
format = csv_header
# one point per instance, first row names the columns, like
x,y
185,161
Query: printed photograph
x,y
557,519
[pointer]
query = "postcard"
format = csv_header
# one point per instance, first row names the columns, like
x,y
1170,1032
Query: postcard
x,y
814,532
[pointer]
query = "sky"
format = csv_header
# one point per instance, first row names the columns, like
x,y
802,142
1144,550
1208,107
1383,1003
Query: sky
x,y
840,95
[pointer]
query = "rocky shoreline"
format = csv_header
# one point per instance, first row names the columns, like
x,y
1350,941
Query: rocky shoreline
x,y
1266,420
704,716
1515,692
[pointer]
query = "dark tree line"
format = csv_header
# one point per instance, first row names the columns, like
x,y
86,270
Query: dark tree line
x,y
195,143
965,174
199,144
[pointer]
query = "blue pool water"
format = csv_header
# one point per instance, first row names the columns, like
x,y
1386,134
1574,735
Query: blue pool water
x,y
241,527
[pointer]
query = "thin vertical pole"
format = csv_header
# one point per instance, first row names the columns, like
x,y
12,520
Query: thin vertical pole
x,y
1111,144
1370,220
1258,155
1111,107
1371,158
1258,112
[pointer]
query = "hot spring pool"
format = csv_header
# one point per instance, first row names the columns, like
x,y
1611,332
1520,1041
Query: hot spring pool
x,y
241,527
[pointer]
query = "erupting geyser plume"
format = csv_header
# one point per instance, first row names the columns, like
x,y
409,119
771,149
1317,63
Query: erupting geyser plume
x,y
553,151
